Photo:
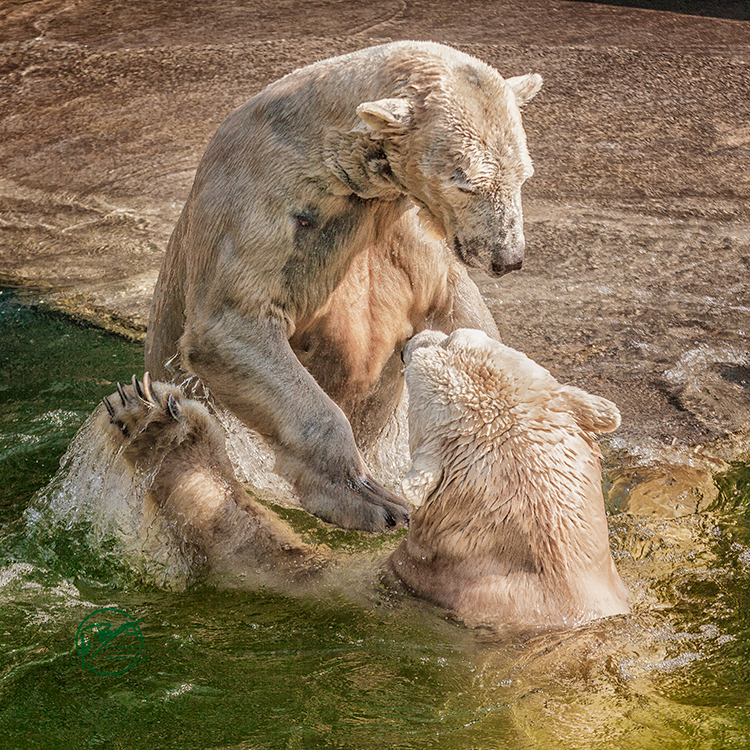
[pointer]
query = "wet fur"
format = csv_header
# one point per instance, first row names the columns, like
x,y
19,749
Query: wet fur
x,y
506,470
510,527
224,533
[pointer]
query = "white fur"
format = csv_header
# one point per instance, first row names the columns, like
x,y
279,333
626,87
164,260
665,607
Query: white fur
x,y
511,526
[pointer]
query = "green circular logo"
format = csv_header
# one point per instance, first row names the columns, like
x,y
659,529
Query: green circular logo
x,y
109,641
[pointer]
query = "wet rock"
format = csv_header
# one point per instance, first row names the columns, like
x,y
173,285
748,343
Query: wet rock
x,y
637,220
664,491
714,385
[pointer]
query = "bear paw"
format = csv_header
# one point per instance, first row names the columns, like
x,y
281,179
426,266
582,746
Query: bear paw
x,y
134,406
360,502
149,419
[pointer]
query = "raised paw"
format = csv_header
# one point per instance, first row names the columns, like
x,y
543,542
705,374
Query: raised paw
x,y
149,419
135,405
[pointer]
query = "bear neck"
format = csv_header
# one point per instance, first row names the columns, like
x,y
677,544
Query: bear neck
x,y
540,515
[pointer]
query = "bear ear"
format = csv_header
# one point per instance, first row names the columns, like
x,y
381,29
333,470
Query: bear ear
x,y
525,87
386,114
593,413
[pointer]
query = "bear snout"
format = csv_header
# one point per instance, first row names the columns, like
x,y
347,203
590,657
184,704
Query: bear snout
x,y
508,254
497,260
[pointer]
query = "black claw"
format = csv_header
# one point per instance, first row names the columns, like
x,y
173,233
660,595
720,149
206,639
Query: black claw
x,y
174,408
110,408
389,519
123,396
368,485
138,390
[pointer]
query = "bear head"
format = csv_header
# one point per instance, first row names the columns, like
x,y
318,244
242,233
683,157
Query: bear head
x,y
512,529
471,398
454,142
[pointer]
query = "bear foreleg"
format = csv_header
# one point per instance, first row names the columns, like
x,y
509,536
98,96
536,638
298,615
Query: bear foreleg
x,y
251,369
466,308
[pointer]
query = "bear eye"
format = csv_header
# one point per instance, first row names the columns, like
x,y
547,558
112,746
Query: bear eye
x,y
462,182
305,220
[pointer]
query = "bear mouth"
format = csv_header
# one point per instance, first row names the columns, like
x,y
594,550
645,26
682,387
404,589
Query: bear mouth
x,y
500,269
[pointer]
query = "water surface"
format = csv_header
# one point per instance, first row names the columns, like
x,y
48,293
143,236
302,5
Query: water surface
x,y
360,667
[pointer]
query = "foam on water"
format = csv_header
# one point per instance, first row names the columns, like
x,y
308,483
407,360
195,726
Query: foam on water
x,y
335,671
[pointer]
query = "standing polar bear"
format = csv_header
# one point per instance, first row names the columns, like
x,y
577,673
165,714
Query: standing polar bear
x,y
331,218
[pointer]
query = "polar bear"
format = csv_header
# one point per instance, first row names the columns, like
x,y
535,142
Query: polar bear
x,y
331,218
511,525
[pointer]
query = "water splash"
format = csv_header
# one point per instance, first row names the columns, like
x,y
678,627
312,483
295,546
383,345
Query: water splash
x,y
254,458
95,517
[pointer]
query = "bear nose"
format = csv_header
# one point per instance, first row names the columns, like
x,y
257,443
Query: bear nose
x,y
500,269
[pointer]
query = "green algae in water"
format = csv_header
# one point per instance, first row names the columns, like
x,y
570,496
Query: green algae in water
x,y
373,669
52,373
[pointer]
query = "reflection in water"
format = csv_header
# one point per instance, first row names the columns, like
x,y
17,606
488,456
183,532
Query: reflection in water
x,y
362,666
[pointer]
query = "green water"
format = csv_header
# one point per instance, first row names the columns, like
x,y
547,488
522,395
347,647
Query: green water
x,y
360,669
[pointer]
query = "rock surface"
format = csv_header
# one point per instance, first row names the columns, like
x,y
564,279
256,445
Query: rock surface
x,y
635,284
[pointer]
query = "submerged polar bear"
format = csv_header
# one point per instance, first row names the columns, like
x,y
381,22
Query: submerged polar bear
x,y
332,217
511,527
506,470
